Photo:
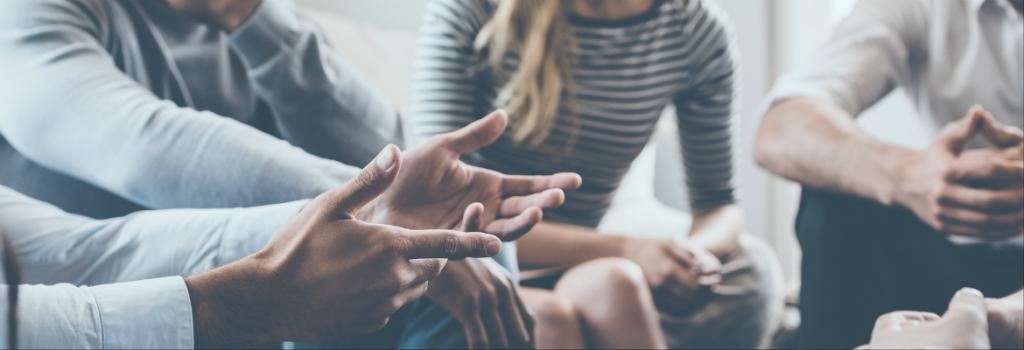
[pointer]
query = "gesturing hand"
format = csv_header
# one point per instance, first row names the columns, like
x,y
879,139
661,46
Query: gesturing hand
x,y
977,193
326,274
435,187
963,326
679,273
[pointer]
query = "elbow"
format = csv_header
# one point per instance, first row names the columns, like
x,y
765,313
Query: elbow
x,y
768,140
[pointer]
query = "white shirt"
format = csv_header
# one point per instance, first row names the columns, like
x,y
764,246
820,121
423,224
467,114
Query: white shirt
x,y
117,283
946,54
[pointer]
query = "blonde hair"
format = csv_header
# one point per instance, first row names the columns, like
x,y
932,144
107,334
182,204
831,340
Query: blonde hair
x,y
538,31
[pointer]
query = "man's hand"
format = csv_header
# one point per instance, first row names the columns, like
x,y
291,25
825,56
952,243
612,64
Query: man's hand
x,y
227,15
679,273
484,299
974,193
1006,321
963,326
437,188
326,274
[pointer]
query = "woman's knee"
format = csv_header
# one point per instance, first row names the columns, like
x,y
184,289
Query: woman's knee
x,y
554,310
618,275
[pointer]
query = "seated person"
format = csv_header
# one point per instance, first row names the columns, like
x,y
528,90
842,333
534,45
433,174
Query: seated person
x,y
586,82
252,276
114,107
970,322
885,227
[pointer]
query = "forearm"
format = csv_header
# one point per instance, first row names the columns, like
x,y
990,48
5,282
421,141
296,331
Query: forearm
x,y
821,146
555,244
718,230
56,247
151,314
226,308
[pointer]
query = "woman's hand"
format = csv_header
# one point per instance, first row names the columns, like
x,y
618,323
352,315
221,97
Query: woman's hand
x,y
679,273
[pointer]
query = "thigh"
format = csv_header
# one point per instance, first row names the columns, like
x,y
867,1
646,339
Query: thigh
x,y
862,259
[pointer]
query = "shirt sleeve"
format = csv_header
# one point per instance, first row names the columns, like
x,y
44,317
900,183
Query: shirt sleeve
x,y
870,52
147,314
57,247
445,94
73,111
318,101
705,110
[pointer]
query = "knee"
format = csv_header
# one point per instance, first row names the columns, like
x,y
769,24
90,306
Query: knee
x,y
619,275
555,311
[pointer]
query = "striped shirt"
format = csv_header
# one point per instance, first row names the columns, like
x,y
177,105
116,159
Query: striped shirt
x,y
625,73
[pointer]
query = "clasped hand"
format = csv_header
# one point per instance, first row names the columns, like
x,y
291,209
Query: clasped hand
x,y
974,193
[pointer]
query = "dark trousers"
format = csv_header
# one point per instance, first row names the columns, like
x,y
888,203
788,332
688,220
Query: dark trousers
x,y
862,259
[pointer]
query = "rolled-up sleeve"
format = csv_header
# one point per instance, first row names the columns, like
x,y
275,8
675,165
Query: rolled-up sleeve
x,y
871,52
147,314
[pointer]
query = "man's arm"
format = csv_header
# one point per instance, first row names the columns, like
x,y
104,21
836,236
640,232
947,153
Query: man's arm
x,y
308,283
57,247
147,314
820,145
73,111
809,135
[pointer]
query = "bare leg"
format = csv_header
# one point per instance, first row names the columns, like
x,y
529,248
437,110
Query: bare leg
x,y
557,323
615,303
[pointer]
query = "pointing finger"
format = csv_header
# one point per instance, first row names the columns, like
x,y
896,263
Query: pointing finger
x,y
449,244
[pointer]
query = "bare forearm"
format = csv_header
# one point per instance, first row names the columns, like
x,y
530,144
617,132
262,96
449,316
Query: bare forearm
x,y
554,244
225,305
821,146
718,230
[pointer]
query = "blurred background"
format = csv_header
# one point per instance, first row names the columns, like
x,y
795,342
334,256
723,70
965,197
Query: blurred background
x,y
378,39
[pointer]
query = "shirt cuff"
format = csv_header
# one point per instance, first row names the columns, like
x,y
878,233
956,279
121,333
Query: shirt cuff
x,y
252,229
272,30
151,314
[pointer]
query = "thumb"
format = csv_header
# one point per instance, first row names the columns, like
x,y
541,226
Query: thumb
x,y
477,134
471,217
955,135
968,305
999,134
370,183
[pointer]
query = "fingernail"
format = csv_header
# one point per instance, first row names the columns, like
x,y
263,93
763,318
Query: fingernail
x,y
385,159
971,291
493,248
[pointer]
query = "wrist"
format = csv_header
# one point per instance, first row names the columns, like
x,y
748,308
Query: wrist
x,y
225,308
900,180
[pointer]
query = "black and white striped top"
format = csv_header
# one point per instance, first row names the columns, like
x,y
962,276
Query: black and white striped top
x,y
625,73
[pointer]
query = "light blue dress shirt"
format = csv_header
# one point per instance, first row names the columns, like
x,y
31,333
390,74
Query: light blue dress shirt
x,y
118,283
